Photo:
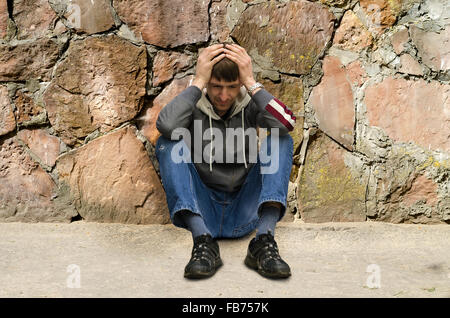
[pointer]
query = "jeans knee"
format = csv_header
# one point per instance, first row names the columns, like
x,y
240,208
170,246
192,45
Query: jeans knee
x,y
163,144
164,147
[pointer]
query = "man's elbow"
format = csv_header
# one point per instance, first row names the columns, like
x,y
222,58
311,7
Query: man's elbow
x,y
163,128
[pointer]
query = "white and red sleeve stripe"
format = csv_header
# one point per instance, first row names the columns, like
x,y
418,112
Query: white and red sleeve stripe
x,y
282,113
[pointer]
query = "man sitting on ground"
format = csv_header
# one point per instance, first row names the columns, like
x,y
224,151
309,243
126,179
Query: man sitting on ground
x,y
217,189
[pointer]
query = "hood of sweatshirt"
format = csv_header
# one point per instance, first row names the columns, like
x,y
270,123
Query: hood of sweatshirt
x,y
242,100
240,103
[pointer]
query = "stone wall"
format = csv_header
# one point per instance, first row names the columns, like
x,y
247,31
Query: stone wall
x,y
82,83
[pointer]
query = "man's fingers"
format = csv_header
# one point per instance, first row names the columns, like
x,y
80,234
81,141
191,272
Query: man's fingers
x,y
231,48
232,56
215,52
210,51
237,56
217,58
213,48
236,48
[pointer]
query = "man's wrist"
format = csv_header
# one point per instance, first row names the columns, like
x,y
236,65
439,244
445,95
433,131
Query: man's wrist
x,y
249,83
252,90
199,83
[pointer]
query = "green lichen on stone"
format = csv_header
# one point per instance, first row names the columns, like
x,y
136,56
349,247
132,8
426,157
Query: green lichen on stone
x,y
326,180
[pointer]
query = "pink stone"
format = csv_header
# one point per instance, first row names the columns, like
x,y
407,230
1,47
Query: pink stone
x,y
434,48
329,190
112,179
422,189
42,144
147,123
33,18
332,101
410,65
166,65
93,16
356,73
99,85
293,38
166,23
411,111
399,39
26,108
22,179
351,34
218,20
7,120
21,62
381,13
3,18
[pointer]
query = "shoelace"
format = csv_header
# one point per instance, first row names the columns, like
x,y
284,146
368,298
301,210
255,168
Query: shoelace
x,y
200,251
270,250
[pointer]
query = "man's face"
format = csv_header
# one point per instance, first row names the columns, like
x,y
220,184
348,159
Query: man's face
x,y
222,94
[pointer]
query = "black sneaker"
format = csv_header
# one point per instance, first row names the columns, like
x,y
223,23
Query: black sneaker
x,y
263,256
205,258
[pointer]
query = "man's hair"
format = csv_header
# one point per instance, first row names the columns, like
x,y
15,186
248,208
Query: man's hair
x,y
225,70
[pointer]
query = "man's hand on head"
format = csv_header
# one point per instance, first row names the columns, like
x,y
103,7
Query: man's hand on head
x,y
205,62
240,56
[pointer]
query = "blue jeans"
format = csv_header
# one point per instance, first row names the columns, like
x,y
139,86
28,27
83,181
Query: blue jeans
x,y
226,214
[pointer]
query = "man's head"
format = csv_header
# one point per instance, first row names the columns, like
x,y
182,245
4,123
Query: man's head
x,y
224,85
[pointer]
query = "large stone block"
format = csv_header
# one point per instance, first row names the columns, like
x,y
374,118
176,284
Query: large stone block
x,y
85,16
166,23
332,101
113,180
7,119
28,112
26,190
409,187
100,85
33,18
352,35
167,64
42,144
410,65
399,40
381,14
218,17
27,60
434,48
147,122
3,19
411,111
333,184
287,38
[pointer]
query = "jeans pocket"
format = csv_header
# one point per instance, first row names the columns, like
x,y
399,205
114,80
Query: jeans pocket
x,y
245,229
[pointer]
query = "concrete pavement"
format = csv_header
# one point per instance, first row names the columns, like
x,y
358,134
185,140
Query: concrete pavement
x,y
84,259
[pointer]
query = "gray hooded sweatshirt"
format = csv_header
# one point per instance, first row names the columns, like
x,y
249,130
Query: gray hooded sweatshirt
x,y
224,163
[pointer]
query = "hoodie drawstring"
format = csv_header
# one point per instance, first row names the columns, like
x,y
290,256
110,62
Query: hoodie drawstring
x,y
243,137
210,149
243,140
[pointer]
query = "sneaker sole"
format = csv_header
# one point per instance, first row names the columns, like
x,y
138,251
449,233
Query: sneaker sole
x,y
199,275
252,263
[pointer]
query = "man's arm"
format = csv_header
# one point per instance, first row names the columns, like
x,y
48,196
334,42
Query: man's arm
x,y
178,113
272,113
